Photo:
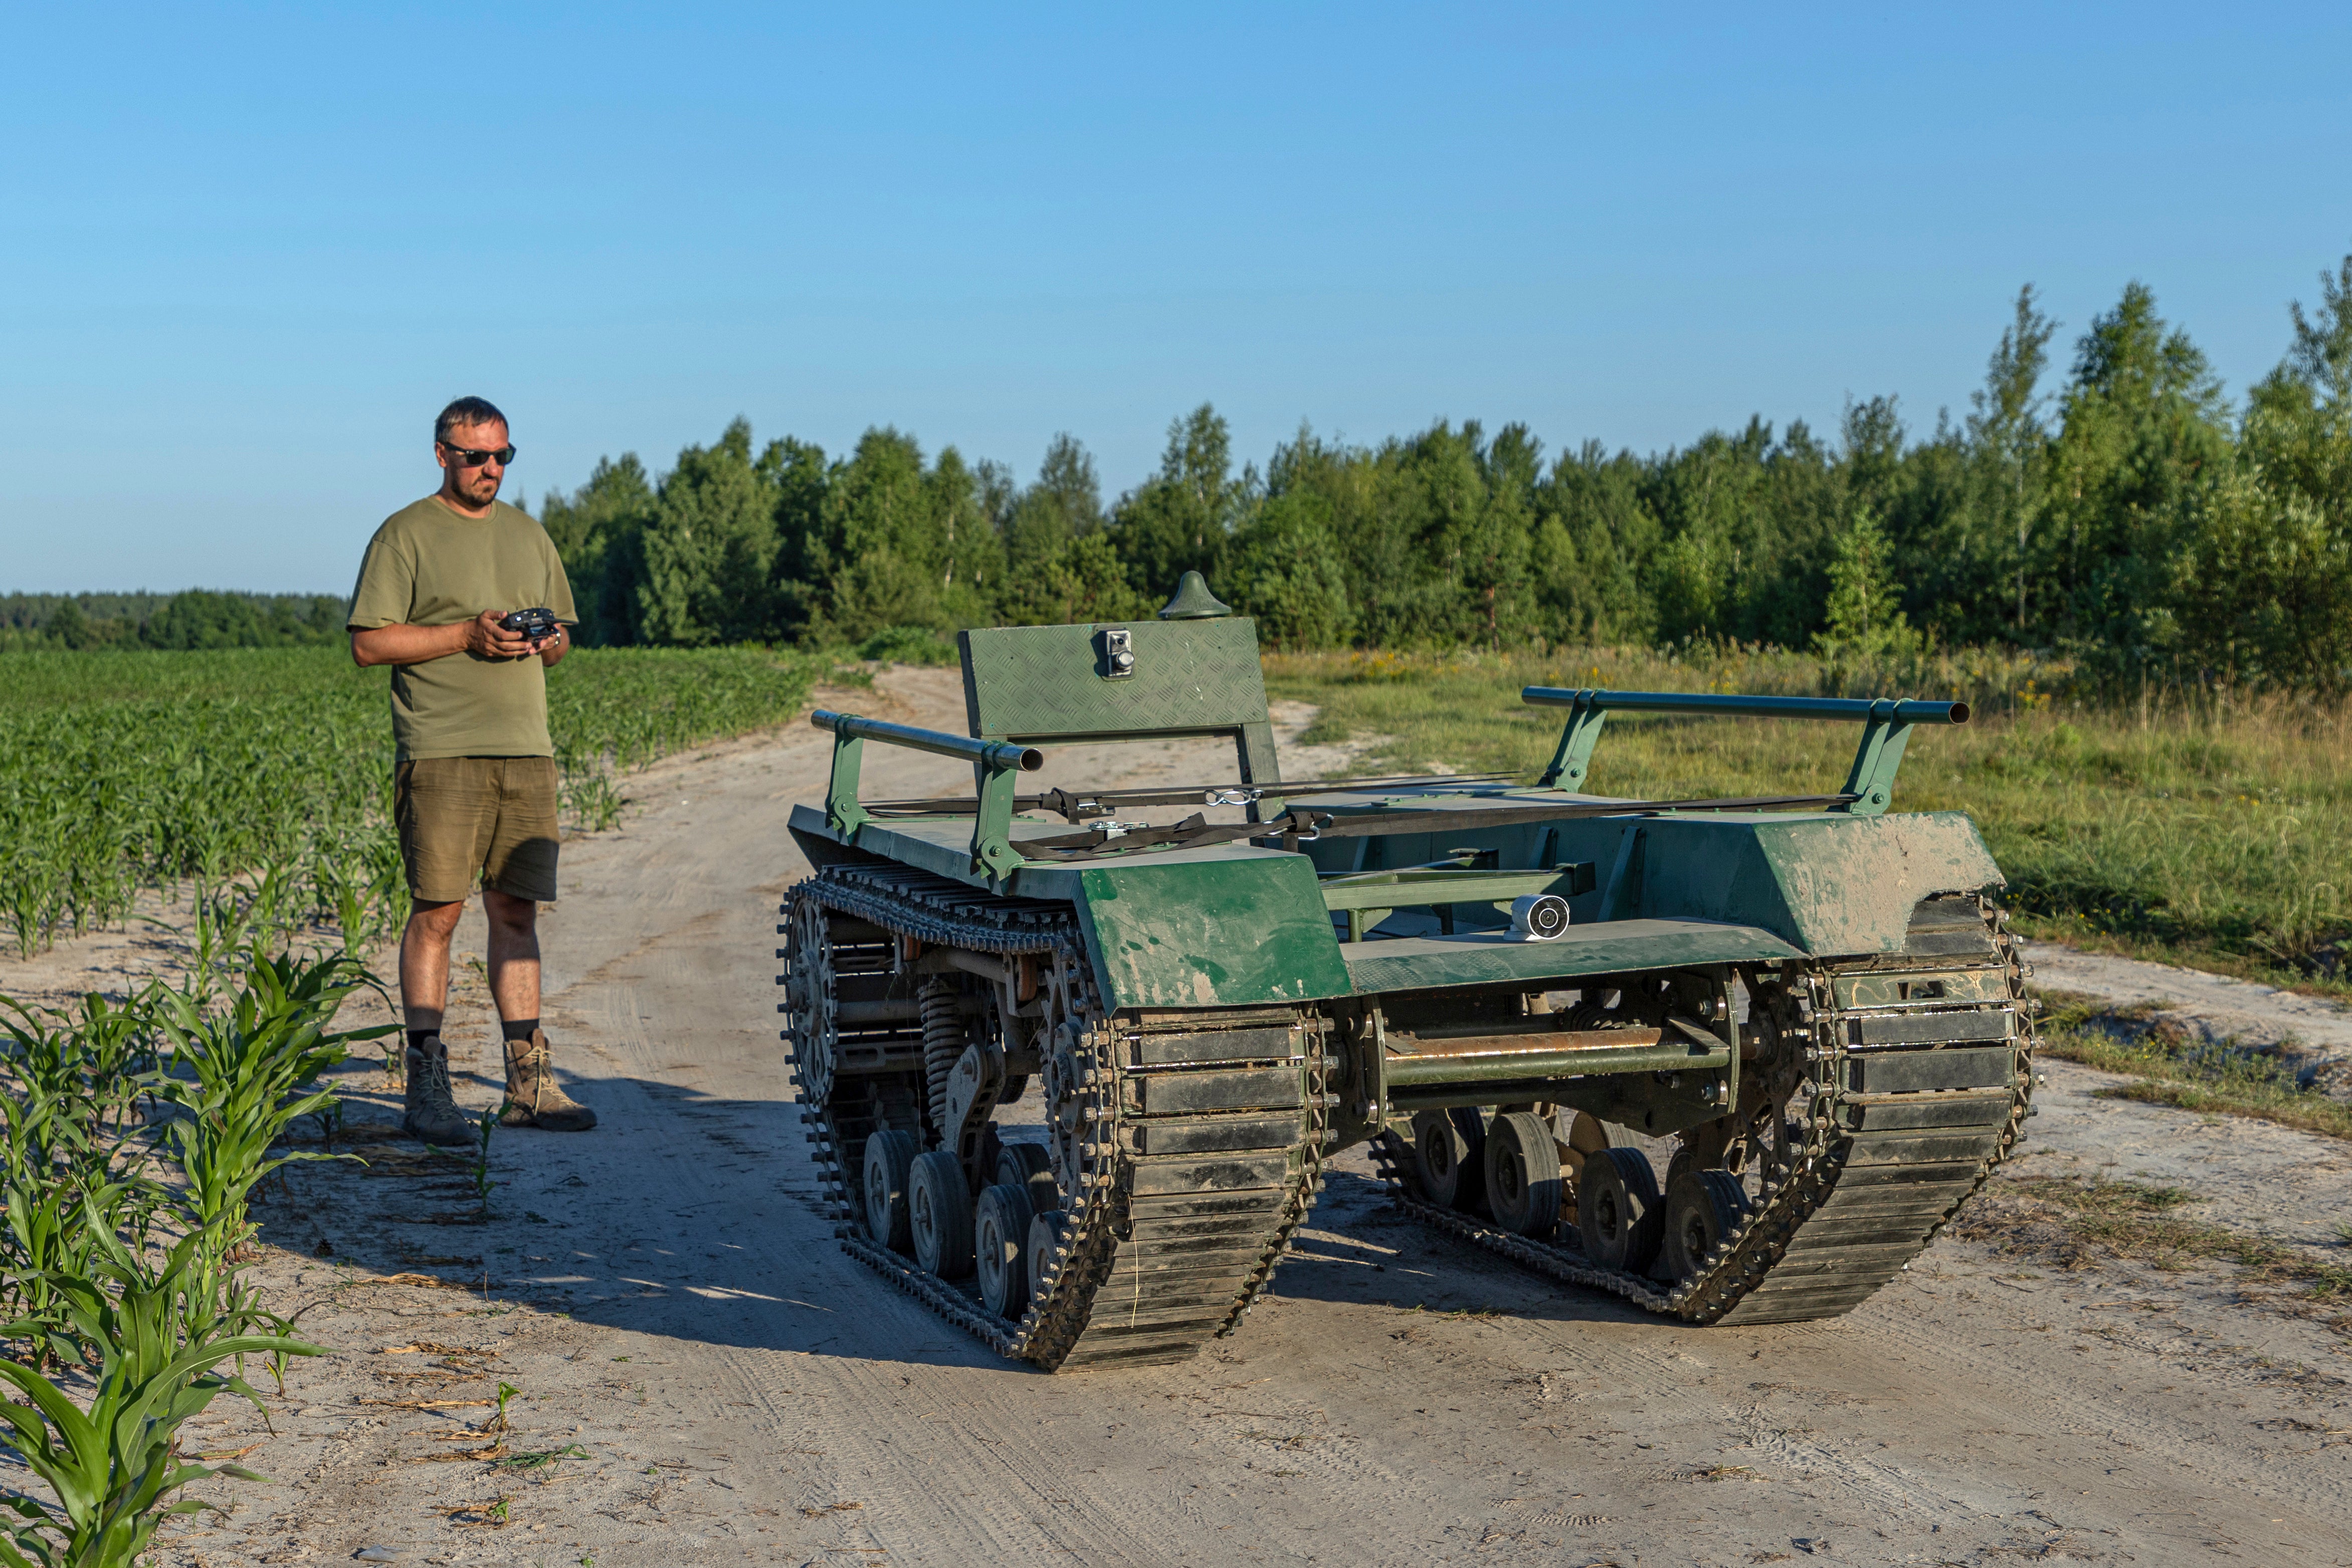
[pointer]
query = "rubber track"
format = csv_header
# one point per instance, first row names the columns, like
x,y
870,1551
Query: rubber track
x,y
1860,1202
1159,1251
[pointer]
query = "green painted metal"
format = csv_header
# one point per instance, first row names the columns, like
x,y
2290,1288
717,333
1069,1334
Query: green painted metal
x,y
1572,759
940,742
1871,780
1192,678
1624,874
1224,932
841,812
1367,898
1193,601
996,768
1887,727
1651,888
992,825
1829,883
1486,958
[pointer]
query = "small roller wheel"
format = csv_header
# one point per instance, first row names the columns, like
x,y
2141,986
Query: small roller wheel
x,y
1587,1136
1044,1232
890,1156
1618,1211
1523,1174
939,1212
1702,1209
1449,1152
1030,1166
1016,1083
1000,1230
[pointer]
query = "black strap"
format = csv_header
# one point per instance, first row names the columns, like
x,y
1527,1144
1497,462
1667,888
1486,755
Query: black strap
x,y
1298,824
1067,803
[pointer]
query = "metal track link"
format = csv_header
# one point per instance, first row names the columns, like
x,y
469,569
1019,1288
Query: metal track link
x,y
1878,1175
1202,1143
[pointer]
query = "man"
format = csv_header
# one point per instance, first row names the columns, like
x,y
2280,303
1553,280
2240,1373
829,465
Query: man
x,y
474,781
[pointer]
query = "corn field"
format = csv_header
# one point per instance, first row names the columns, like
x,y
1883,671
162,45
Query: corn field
x,y
122,772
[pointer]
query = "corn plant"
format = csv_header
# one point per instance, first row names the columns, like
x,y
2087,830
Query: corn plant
x,y
159,1335
62,1158
93,1067
242,1074
56,1229
477,1166
360,885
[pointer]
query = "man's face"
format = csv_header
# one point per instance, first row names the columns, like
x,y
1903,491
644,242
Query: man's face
x,y
474,483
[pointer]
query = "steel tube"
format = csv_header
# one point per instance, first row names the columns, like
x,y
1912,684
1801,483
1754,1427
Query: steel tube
x,y
989,753
1731,707
1411,1072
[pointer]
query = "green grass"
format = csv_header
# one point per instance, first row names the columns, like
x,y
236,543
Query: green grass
x,y
2171,1067
2073,1220
125,770
2206,832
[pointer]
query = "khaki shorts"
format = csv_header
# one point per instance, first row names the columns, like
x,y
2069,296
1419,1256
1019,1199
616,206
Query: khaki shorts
x,y
470,821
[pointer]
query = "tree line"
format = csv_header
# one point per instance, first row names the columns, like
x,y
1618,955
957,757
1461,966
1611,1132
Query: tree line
x,y
196,618
2123,511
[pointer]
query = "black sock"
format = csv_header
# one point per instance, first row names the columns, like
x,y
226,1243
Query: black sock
x,y
416,1037
519,1028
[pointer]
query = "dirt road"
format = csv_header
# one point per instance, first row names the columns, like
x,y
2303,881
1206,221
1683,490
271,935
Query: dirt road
x,y
703,1377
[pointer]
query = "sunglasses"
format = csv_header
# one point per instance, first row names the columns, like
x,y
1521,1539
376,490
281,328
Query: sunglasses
x,y
465,457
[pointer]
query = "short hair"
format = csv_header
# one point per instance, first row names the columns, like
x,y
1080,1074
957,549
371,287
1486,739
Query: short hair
x,y
465,411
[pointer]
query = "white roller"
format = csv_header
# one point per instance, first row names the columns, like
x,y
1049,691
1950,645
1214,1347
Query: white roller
x,y
1538,917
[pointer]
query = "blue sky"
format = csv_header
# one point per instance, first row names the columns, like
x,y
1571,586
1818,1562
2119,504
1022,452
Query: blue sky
x,y
250,249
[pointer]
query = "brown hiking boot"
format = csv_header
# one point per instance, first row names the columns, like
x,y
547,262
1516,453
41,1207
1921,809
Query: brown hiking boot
x,y
433,1114
533,1097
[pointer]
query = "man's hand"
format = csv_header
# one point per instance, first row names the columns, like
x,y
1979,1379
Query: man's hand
x,y
488,640
421,645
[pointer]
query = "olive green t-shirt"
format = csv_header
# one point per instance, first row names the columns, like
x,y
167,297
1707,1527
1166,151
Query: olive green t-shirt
x,y
428,566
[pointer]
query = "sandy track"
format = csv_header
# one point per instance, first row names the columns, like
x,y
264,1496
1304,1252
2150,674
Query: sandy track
x,y
666,1297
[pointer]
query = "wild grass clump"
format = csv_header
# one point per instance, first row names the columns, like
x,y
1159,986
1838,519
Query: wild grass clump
x,y
2073,1223
2175,1067
2197,827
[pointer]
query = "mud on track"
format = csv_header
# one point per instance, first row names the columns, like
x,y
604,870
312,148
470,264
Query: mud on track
x,y
716,1382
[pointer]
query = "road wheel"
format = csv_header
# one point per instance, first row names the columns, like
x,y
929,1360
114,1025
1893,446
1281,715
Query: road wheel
x,y
1702,1209
939,1212
1000,1248
1618,1211
1449,1149
890,1154
1044,1232
1523,1174
1030,1167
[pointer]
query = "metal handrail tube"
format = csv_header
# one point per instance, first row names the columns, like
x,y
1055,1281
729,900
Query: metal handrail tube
x,y
1729,706
1002,754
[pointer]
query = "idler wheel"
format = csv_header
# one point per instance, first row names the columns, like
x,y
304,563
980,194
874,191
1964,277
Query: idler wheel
x,y
1618,1211
1523,1174
889,1155
939,1212
1702,1209
1449,1153
1045,1231
1000,1248
1030,1166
